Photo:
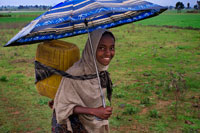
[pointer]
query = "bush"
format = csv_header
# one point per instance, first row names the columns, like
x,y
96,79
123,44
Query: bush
x,y
145,101
189,130
3,78
154,114
130,110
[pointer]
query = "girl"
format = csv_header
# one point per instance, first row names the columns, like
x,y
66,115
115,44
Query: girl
x,y
78,104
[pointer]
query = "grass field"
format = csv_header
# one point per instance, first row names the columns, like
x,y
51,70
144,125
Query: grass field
x,y
174,19
19,17
156,76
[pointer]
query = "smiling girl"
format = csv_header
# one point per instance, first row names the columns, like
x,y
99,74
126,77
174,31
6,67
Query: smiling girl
x,y
78,104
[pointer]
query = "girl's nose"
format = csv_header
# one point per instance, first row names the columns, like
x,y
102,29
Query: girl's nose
x,y
108,52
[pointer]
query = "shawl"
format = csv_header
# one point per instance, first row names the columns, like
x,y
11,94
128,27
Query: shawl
x,y
83,93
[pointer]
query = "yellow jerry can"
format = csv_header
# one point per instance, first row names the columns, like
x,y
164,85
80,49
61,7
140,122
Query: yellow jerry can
x,y
57,54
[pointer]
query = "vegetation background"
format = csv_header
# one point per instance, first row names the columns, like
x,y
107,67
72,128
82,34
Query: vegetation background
x,y
156,76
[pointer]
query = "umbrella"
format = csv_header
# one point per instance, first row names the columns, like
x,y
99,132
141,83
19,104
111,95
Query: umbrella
x,y
74,17
70,17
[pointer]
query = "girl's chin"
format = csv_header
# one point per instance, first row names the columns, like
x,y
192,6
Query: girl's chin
x,y
105,63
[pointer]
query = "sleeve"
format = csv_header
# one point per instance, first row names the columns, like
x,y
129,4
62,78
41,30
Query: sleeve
x,y
66,99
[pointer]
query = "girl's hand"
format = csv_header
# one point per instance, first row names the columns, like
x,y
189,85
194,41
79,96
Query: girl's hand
x,y
102,113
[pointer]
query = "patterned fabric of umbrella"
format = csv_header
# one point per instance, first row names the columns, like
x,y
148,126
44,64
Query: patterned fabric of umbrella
x,y
70,17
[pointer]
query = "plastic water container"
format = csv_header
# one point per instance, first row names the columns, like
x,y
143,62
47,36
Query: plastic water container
x,y
57,54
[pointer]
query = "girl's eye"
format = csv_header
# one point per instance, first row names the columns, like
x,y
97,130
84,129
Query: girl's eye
x,y
112,48
101,48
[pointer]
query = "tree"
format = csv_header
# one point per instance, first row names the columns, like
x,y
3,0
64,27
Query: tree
x,y
195,7
36,6
188,5
21,7
179,6
198,3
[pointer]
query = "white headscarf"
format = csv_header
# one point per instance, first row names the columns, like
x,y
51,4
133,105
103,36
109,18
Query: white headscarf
x,y
84,93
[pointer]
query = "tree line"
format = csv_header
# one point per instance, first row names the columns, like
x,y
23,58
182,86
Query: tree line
x,y
179,6
22,7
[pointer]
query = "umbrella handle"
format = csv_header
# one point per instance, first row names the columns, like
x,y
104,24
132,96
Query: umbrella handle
x,y
100,88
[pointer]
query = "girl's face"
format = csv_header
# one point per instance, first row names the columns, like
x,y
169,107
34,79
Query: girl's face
x,y
105,50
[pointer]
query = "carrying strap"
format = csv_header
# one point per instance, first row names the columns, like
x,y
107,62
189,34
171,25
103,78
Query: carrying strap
x,y
42,72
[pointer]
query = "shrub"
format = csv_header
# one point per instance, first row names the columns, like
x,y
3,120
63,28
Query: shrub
x,y
130,110
154,113
189,130
145,101
3,78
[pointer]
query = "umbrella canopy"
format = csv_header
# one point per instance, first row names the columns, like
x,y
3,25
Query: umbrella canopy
x,y
73,17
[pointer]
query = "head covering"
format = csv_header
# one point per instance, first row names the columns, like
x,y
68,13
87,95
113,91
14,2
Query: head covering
x,y
85,93
87,60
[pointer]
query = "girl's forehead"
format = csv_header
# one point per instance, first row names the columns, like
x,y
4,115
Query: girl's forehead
x,y
106,37
107,42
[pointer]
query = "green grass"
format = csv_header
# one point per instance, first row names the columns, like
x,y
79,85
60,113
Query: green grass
x,y
143,95
172,18
19,17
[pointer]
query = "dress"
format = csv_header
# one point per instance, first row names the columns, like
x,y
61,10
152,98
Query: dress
x,y
85,93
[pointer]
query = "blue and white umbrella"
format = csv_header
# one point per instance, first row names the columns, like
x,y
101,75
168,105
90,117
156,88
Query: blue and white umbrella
x,y
70,17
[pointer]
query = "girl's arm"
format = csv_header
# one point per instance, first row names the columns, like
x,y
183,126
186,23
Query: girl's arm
x,y
100,112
